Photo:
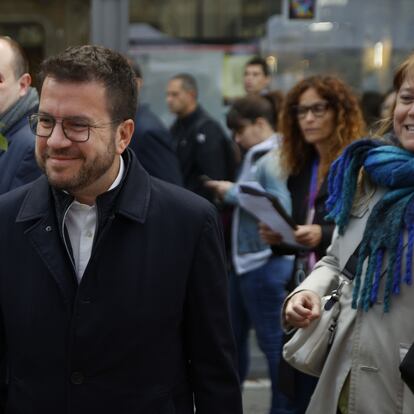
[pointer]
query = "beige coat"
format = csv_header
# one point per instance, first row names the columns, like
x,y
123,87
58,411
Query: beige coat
x,y
370,345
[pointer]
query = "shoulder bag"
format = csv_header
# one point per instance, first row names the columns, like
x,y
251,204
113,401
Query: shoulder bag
x,y
308,348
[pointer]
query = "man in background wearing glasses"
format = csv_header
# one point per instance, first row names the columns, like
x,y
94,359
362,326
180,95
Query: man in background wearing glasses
x,y
113,291
17,100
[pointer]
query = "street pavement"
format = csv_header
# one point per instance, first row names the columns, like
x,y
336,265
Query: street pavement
x,y
256,396
256,390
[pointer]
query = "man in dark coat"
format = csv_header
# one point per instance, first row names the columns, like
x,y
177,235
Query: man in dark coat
x,y
113,290
17,100
203,149
152,142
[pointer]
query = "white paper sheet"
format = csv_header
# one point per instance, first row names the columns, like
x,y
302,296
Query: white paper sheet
x,y
263,210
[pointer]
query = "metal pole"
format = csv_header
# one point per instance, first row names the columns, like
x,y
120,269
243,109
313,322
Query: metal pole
x,y
110,24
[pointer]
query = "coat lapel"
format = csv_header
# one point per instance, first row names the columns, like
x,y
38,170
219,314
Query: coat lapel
x,y
41,227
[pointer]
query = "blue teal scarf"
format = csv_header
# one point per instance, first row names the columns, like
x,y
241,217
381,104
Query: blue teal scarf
x,y
393,168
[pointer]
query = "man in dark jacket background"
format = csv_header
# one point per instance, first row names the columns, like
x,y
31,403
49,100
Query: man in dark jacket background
x,y
203,149
113,290
17,101
152,142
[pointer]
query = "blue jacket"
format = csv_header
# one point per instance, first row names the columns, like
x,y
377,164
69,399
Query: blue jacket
x,y
18,164
248,250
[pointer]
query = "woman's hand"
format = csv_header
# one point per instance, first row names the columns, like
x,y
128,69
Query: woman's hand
x,y
309,234
268,235
220,187
302,308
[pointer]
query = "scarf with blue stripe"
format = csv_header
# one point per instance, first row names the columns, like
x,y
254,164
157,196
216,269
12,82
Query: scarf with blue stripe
x,y
391,167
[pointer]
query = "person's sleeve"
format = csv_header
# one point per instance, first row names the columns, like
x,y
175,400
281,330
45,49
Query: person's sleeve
x,y
27,170
231,195
209,339
268,174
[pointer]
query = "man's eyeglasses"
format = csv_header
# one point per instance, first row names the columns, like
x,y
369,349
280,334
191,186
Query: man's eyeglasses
x,y
318,109
75,129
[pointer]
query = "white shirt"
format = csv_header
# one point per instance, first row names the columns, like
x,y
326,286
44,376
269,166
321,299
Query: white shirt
x,y
80,221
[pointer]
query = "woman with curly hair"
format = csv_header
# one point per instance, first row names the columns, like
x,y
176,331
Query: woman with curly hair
x,y
321,117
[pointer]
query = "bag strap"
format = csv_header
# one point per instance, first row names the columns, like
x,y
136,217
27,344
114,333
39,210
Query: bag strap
x,y
349,272
350,268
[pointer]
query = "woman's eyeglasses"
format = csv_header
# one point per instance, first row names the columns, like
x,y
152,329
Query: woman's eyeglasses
x,y
317,109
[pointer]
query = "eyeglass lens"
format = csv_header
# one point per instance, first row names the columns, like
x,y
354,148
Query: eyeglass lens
x,y
318,109
74,130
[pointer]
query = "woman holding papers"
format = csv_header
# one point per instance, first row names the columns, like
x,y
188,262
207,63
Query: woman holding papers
x,y
259,277
321,117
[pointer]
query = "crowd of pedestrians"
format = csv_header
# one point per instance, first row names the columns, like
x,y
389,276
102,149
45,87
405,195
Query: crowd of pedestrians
x,y
118,292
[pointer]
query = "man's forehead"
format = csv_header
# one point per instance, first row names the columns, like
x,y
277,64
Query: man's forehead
x,y
175,84
56,81
6,55
69,98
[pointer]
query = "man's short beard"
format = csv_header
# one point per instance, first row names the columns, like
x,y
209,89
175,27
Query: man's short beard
x,y
89,172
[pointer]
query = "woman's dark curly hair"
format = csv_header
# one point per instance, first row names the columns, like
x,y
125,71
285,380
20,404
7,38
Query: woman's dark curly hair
x,y
349,123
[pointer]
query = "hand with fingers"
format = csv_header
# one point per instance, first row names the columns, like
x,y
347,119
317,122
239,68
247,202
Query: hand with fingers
x,y
268,235
309,234
220,187
302,308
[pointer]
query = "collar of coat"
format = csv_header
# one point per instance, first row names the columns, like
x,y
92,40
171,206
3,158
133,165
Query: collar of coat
x,y
130,199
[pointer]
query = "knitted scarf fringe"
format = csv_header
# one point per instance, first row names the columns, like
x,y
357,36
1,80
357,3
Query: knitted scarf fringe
x,y
384,233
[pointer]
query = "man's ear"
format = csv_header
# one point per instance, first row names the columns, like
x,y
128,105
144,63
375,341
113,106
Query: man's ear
x,y
139,82
193,94
260,121
124,135
24,83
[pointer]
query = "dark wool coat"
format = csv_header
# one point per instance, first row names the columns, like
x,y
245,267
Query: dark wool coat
x,y
152,144
146,331
203,149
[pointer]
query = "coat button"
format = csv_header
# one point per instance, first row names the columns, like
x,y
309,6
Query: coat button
x,y
77,378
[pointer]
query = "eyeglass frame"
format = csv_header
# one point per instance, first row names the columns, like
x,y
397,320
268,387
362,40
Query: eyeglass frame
x,y
60,120
306,108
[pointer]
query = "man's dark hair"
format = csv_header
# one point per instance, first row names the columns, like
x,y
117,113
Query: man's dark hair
x,y
257,60
81,64
188,82
20,62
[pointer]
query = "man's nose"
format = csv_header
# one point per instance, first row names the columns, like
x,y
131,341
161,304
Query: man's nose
x,y
58,137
